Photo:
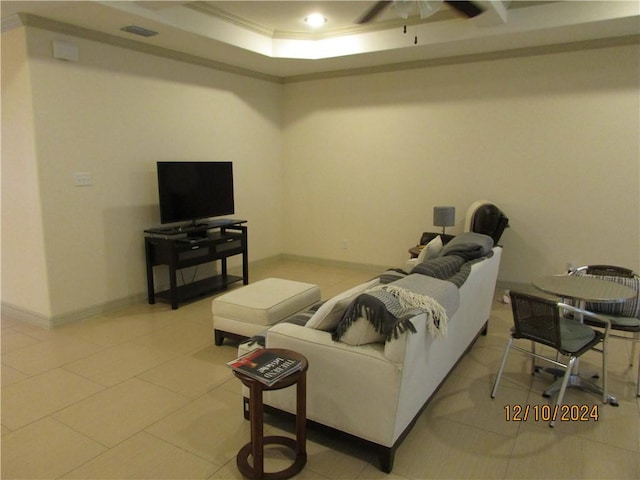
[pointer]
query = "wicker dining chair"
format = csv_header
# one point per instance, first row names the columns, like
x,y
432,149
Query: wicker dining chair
x,y
544,321
624,317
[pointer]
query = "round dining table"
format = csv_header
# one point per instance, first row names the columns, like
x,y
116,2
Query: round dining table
x,y
583,290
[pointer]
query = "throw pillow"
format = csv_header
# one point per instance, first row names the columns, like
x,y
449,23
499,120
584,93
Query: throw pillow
x,y
362,332
331,311
431,249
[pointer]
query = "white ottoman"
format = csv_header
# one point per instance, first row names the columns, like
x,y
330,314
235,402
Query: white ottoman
x,y
252,309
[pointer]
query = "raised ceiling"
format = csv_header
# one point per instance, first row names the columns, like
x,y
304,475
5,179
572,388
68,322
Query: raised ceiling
x,y
270,38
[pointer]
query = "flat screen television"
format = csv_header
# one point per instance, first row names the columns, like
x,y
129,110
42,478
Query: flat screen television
x,y
193,191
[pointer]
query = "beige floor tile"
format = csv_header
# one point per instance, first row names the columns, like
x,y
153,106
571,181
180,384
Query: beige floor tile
x,y
329,454
482,363
13,339
10,375
144,456
585,416
173,409
117,364
8,322
550,453
45,449
117,413
461,399
211,427
441,448
337,460
44,394
188,375
372,472
180,337
230,472
49,354
118,327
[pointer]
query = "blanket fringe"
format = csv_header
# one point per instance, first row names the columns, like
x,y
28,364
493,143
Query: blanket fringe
x,y
384,322
436,314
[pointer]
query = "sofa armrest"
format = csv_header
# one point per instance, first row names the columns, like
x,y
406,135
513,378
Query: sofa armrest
x,y
342,383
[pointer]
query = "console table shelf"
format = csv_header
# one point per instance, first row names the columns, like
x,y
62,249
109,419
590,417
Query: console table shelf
x,y
181,248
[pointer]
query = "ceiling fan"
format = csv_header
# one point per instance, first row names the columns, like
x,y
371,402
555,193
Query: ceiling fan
x,y
468,9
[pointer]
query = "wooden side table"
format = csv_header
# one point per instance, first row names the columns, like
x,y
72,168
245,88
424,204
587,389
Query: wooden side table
x,y
255,447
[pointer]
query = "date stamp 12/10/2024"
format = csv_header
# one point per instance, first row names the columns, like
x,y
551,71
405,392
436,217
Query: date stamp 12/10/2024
x,y
546,413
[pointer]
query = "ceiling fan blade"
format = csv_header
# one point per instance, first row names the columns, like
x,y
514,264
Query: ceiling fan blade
x,y
469,9
374,11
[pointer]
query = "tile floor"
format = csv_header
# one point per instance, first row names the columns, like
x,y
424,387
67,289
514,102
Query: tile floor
x,y
143,393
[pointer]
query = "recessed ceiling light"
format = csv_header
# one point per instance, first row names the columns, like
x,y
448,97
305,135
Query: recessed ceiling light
x,y
315,20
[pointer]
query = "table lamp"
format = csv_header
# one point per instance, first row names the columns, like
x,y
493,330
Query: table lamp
x,y
444,217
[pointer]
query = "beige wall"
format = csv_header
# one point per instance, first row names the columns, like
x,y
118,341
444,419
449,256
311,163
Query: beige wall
x,y
115,113
553,140
24,271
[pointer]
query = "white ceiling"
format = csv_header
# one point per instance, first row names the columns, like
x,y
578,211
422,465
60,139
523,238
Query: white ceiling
x,y
270,38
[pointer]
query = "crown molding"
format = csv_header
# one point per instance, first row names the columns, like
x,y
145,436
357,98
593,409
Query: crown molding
x,y
476,57
36,21
10,22
30,20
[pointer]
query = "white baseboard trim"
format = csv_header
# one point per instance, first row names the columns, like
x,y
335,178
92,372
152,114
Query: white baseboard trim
x,y
34,318
25,315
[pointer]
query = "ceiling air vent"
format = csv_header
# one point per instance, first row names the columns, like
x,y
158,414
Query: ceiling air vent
x,y
136,30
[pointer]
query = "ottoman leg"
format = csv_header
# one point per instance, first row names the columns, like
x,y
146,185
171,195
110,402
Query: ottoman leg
x,y
218,337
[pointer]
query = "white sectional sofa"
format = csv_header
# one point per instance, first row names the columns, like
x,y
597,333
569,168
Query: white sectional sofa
x,y
375,388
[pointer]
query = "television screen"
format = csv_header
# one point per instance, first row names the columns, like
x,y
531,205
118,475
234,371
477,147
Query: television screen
x,y
194,190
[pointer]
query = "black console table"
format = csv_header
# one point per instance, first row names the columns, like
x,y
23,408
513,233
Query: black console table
x,y
181,247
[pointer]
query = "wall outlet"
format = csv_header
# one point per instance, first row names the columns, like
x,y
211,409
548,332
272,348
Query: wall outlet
x,y
82,179
345,244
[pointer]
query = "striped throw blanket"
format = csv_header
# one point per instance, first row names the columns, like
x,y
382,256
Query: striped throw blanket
x,y
389,310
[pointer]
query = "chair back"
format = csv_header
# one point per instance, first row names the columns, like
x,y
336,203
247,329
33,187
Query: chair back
x,y
606,270
486,218
624,276
536,319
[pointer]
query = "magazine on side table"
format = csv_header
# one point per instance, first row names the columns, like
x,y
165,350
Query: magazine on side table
x,y
265,365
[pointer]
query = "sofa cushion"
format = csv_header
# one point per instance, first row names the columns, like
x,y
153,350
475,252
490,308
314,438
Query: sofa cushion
x,y
331,311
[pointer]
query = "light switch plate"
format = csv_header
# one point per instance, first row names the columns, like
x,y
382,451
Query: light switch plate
x,y
82,179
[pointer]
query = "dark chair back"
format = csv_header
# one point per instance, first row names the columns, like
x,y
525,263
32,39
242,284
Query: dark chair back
x,y
489,220
536,319
621,275
606,270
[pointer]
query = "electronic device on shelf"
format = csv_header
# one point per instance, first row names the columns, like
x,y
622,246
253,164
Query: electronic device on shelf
x,y
195,192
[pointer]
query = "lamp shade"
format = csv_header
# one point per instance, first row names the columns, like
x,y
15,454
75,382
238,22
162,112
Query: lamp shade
x,y
444,216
